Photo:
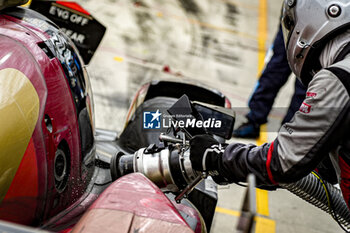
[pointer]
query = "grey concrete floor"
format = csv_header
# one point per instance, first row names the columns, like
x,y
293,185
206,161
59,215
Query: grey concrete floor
x,y
219,43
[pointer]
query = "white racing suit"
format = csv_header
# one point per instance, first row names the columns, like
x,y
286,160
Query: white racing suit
x,y
320,127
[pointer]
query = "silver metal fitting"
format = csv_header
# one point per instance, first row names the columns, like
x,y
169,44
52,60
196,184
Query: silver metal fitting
x,y
156,167
334,10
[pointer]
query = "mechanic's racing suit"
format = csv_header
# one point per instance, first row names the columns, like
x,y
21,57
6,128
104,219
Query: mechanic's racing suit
x,y
321,126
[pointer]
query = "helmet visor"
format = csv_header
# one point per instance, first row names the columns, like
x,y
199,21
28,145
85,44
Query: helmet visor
x,y
288,20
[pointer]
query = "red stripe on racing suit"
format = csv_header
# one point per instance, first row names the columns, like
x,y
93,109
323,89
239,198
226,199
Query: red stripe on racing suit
x,y
268,163
345,180
302,143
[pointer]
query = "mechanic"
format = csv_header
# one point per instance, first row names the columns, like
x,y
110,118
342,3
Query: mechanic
x,y
317,37
274,76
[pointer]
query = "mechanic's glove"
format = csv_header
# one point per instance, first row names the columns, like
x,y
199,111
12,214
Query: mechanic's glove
x,y
205,154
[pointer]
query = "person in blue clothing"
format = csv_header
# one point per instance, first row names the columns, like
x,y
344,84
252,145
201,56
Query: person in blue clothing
x,y
274,76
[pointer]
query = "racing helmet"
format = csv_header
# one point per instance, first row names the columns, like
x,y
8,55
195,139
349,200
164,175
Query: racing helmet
x,y
46,116
307,27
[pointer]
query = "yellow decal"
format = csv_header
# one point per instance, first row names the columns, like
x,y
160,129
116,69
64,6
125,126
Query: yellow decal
x,y
118,59
19,111
27,4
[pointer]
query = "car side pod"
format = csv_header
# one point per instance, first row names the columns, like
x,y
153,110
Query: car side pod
x,y
132,204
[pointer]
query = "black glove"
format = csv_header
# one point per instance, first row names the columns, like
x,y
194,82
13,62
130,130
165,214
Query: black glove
x,y
201,145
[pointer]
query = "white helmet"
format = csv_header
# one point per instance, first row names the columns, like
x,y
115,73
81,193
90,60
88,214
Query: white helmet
x,y
307,27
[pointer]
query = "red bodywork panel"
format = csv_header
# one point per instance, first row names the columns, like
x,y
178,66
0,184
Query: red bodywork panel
x,y
132,203
16,42
42,200
23,194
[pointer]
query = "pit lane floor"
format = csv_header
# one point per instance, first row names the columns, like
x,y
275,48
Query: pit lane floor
x,y
220,43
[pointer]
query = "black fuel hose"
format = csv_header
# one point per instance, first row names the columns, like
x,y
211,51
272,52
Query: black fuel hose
x,y
322,195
